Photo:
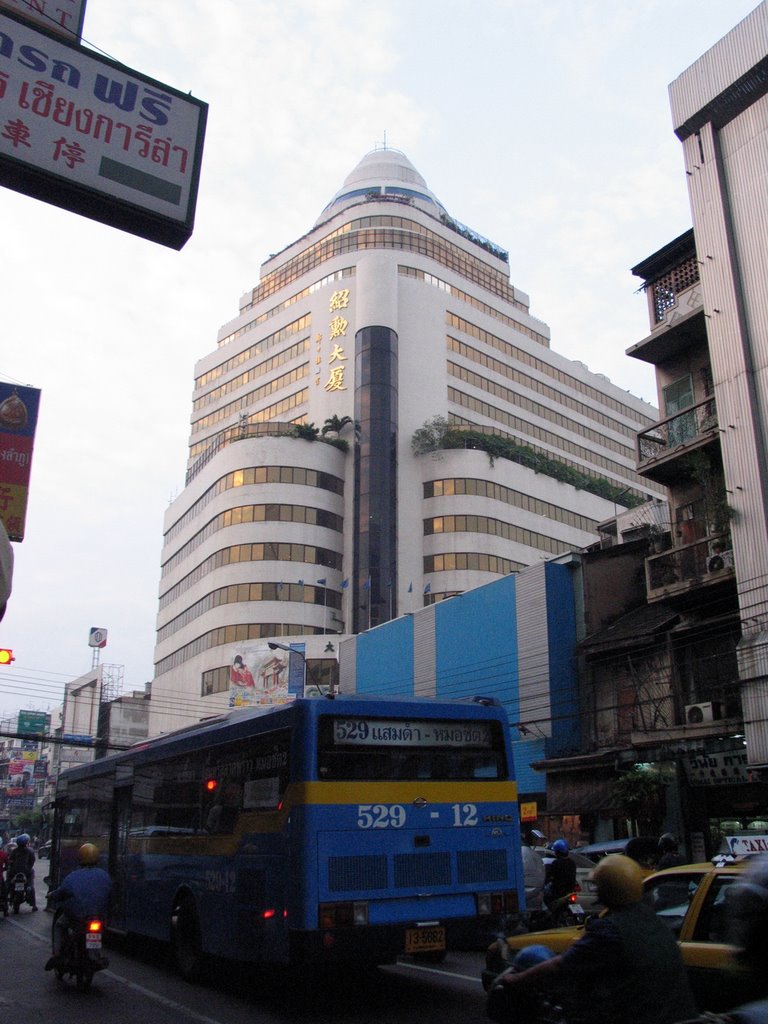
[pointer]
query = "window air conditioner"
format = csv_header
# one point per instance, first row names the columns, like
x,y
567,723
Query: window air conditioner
x,y
720,560
697,714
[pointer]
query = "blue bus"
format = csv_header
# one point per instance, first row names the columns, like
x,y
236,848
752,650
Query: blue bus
x,y
316,832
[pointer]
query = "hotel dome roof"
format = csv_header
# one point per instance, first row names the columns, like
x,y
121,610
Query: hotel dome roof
x,y
383,172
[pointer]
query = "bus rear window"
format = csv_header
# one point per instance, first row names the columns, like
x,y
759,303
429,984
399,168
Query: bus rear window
x,y
382,748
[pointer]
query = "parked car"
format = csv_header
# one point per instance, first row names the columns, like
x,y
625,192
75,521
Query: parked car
x,y
691,901
643,849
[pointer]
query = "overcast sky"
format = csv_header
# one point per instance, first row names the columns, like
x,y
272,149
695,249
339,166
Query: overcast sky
x,y
542,124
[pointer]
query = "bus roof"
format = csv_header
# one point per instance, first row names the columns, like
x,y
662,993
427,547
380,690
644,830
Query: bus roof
x,y
237,723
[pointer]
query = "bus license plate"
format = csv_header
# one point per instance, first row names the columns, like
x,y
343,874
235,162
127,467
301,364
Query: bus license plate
x,y
424,940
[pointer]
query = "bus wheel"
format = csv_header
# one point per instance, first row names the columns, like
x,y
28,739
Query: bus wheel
x,y
185,940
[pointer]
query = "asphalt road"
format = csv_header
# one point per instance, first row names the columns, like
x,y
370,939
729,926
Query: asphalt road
x,y
140,986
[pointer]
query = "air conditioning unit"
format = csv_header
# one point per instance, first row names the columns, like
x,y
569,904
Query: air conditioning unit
x,y
697,714
720,560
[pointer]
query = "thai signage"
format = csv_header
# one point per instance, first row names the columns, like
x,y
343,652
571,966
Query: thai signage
x,y
18,420
32,723
89,135
64,17
719,769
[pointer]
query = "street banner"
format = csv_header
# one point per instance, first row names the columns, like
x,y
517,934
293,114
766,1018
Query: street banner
x,y
18,421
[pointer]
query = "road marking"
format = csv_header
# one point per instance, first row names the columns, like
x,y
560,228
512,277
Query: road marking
x,y
172,1004
436,970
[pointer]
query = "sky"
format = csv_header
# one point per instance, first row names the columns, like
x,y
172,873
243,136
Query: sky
x,y
544,125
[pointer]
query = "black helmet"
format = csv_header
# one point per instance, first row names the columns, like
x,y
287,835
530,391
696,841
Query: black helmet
x,y
667,843
747,909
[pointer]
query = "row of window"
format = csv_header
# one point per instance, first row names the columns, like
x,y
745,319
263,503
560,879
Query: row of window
x,y
234,634
273,363
475,560
489,489
272,412
478,304
303,323
269,513
527,429
258,475
513,373
239,593
521,401
339,275
515,353
270,551
385,232
494,528
251,398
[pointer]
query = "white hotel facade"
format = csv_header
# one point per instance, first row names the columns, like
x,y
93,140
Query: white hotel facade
x,y
388,312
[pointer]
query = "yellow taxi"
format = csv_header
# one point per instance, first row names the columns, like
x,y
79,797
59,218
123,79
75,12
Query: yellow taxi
x,y
691,901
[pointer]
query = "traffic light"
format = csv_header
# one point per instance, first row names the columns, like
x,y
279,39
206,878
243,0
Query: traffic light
x,y
6,656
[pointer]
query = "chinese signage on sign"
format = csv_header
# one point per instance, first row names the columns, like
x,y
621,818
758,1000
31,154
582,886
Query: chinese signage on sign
x,y
94,137
62,16
337,328
18,419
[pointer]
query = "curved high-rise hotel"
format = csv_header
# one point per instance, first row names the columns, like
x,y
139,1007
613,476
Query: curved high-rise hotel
x,y
322,496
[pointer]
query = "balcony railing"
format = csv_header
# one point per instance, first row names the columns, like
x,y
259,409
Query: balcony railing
x,y
699,564
683,428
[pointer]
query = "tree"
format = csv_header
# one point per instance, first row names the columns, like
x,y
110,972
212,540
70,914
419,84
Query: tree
x,y
306,430
430,436
335,424
639,794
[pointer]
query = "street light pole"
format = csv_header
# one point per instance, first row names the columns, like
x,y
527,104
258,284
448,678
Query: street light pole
x,y
273,645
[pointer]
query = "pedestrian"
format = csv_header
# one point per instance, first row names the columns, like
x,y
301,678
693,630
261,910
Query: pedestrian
x,y
627,966
669,853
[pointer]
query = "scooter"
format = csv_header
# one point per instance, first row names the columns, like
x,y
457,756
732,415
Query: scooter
x,y
566,911
81,952
533,1006
21,891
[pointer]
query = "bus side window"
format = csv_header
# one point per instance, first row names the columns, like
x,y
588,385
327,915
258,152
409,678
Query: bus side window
x,y
222,817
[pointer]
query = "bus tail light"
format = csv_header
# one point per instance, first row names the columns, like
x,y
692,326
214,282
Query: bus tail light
x,y
494,903
343,915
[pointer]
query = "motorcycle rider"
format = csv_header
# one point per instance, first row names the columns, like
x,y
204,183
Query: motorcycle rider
x,y
22,859
627,967
669,854
560,876
83,894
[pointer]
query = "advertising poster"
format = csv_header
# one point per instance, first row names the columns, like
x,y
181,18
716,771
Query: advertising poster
x,y
259,675
18,420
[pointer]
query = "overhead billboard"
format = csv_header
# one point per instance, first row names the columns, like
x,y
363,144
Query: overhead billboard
x,y
85,133
18,420
65,17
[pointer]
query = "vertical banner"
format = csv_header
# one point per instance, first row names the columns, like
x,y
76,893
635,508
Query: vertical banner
x,y
18,420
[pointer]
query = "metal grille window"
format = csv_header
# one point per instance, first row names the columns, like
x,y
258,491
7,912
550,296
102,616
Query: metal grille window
x,y
668,287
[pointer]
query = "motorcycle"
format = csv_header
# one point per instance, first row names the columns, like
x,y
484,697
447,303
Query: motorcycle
x,y
21,891
81,951
534,1006
566,911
